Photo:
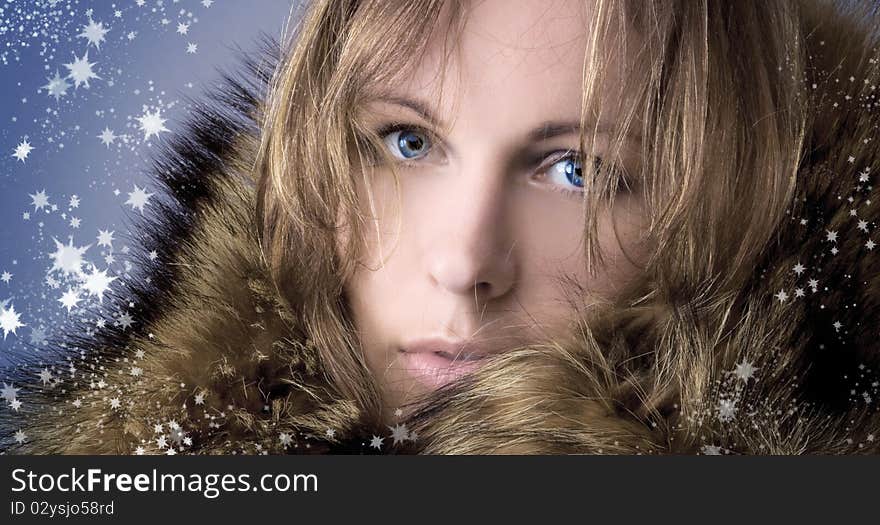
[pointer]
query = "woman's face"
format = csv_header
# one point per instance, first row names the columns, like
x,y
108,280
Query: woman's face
x,y
490,200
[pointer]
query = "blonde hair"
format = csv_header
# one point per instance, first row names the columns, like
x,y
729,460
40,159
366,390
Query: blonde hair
x,y
716,90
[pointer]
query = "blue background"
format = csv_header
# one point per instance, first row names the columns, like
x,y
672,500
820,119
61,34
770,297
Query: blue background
x,y
144,66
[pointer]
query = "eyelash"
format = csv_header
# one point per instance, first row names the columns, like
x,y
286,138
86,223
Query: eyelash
x,y
384,130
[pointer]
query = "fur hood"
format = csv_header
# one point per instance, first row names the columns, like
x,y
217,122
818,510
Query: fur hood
x,y
213,362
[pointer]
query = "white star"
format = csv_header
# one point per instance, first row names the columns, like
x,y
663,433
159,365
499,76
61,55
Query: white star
x,y
726,410
863,225
870,244
39,199
69,299
125,320
151,124
192,48
9,321
182,28
97,283
22,150
399,433
20,437
138,198
94,33
711,450
285,439
782,296
57,86
207,3
68,258
376,442
107,136
9,391
105,238
832,236
81,70
798,268
45,376
745,370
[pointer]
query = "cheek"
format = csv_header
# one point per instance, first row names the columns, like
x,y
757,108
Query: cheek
x,y
551,245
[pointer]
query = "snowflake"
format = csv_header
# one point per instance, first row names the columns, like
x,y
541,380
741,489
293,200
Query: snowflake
x,y
45,376
744,370
9,322
831,236
151,124
138,198
107,136
81,70
726,410
125,320
94,33
711,450
68,258
57,86
399,433
97,283
22,150
40,200
105,238
9,392
69,299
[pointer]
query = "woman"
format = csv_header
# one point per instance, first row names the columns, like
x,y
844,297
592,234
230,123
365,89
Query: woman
x,y
471,227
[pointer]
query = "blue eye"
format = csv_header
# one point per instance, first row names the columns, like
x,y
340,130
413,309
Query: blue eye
x,y
567,172
407,144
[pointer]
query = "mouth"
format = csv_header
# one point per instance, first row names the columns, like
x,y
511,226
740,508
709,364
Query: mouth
x,y
434,368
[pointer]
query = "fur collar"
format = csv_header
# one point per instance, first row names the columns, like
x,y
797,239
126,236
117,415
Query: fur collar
x,y
215,363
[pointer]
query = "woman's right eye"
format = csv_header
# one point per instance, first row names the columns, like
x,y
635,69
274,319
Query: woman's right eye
x,y
407,143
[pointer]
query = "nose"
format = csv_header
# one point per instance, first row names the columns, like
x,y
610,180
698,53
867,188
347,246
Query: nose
x,y
470,251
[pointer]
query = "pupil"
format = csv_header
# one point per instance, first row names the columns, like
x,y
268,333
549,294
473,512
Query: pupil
x,y
574,173
411,143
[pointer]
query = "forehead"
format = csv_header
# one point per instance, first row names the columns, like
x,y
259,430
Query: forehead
x,y
522,55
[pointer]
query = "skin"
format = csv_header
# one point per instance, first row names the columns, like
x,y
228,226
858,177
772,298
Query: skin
x,y
484,235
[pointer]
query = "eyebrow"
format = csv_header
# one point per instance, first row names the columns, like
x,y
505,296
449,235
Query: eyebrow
x,y
544,131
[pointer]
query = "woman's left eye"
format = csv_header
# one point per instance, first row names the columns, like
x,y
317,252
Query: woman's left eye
x,y
568,174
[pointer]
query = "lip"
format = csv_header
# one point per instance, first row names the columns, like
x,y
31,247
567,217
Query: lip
x,y
436,362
